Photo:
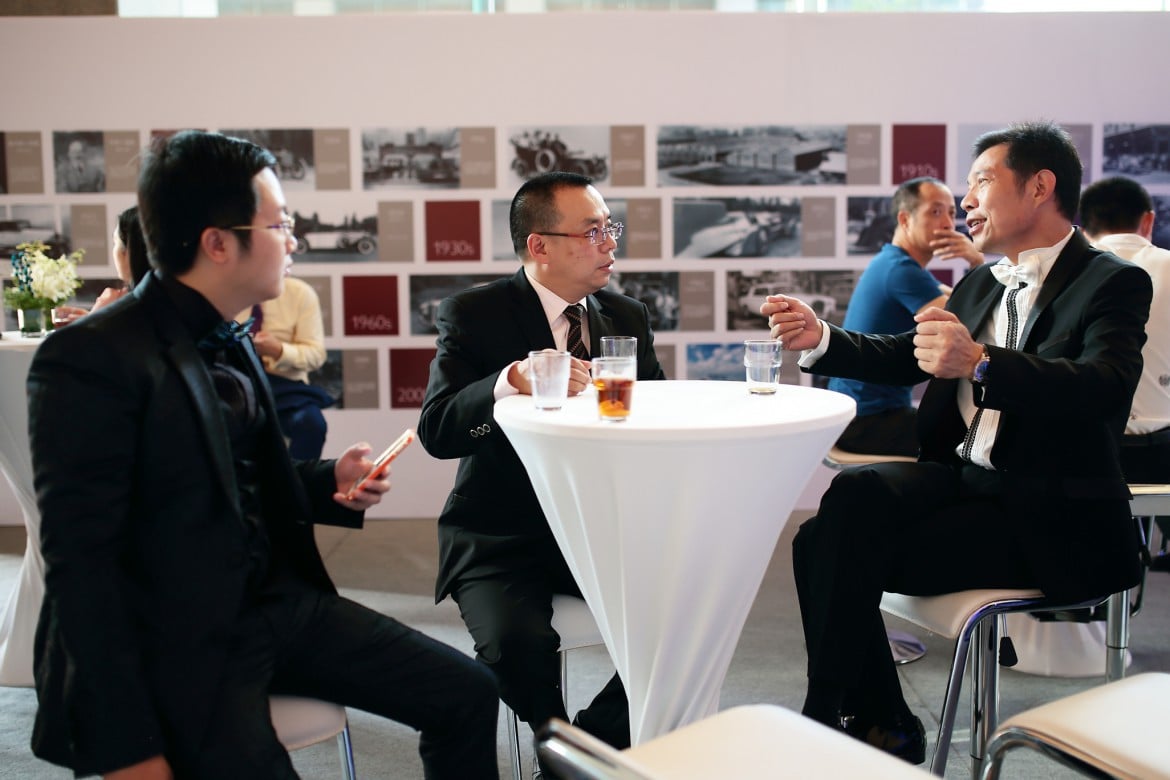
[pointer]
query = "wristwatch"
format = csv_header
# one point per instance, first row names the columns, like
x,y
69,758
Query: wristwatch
x,y
979,375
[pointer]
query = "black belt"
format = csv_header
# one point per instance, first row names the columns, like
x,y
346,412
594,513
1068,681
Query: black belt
x,y
1146,439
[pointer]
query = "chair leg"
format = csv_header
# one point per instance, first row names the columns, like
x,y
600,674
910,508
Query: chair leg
x,y
345,748
1116,635
513,723
984,689
946,721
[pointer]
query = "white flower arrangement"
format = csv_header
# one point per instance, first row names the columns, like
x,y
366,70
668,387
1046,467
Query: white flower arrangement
x,y
39,281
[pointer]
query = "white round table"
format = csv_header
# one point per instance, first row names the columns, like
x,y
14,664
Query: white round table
x,y
669,519
18,620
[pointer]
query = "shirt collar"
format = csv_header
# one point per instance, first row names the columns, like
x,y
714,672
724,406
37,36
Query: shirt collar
x,y
1044,257
553,304
196,313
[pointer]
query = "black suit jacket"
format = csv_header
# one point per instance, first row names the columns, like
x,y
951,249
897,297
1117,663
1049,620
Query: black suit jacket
x,y
142,533
492,517
1064,398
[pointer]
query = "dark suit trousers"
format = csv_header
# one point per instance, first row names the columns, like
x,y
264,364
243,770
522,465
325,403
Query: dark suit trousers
x,y
319,645
915,528
888,432
509,615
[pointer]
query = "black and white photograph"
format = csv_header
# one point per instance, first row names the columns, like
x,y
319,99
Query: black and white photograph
x,y
32,222
827,292
420,157
1161,235
293,150
427,292
1141,152
737,227
750,156
869,224
502,233
80,161
540,149
329,377
331,233
657,289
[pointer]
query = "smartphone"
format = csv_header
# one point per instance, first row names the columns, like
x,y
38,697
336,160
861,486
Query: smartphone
x,y
382,462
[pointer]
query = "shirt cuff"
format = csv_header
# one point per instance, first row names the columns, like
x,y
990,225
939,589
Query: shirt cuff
x,y
503,388
810,356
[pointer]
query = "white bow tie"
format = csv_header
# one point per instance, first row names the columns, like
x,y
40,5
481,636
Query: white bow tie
x,y
1011,275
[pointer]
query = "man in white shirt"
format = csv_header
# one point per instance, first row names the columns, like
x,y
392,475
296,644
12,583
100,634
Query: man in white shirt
x,y
1117,215
1032,368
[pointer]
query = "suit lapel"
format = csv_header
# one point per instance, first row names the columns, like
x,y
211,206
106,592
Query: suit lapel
x,y
189,365
987,294
530,314
600,324
1068,265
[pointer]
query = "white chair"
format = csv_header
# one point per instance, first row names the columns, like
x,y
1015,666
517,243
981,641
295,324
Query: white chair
x,y
302,722
574,623
965,616
904,647
759,741
1116,730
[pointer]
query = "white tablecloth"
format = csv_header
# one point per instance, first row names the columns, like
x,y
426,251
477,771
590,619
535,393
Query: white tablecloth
x,y
18,620
669,519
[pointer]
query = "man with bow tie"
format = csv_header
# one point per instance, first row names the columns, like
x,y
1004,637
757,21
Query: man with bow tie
x,y
183,585
1032,368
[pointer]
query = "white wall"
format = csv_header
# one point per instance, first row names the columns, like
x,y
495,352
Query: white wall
x,y
574,69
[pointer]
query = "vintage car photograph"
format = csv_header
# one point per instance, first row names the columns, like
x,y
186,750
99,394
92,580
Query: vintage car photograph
x,y
737,227
335,235
826,292
293,150
420,157
537,150
428,291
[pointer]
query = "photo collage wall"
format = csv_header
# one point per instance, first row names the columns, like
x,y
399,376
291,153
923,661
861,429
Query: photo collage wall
x,y
390,220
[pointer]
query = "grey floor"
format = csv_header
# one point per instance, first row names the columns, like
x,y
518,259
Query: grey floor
x,y
390,566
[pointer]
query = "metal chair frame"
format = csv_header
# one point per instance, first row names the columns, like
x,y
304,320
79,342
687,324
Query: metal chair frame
x,y
344,743
561,606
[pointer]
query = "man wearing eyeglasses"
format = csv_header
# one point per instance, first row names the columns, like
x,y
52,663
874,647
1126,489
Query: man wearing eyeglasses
x,y
183,585
497,556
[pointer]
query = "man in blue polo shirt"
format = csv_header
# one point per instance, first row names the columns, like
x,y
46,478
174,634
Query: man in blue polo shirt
x,y
894,287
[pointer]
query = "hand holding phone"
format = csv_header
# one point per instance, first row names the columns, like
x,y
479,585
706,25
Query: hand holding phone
x,y
382,462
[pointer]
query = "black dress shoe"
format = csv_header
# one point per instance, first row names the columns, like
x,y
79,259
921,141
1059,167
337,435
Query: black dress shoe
x,y
1160,562
906,740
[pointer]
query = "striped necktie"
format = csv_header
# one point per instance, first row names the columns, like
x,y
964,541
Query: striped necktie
x,y
574,343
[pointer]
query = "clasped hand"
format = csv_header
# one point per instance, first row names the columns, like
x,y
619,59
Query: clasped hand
x,y
794,324
578,375
943,346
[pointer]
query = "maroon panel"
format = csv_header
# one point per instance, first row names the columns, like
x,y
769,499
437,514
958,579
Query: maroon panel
x,y
452,230
919,150
370,304
409,369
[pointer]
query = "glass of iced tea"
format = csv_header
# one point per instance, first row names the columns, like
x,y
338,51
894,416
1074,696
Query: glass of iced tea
x,y
613,378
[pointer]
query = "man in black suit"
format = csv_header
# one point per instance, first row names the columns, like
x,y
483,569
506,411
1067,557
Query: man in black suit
x,y
183,583
497,556
1032,366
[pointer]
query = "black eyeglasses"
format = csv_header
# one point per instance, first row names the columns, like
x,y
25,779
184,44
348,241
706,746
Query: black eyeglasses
x,y
595,235
287,224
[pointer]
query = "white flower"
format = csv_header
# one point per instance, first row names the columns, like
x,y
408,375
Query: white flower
x,y
40,281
